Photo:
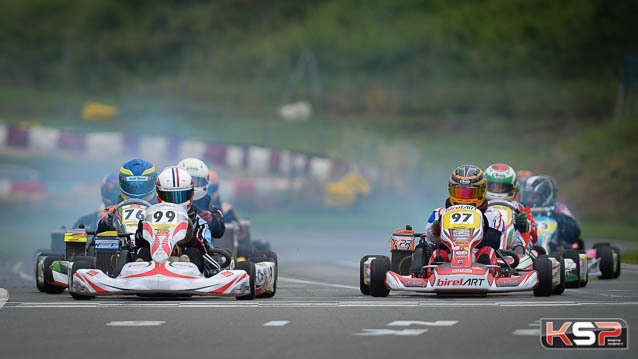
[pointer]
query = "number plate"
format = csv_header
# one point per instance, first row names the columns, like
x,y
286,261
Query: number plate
x,y
132,214
75,237
110,244
461,219
546,227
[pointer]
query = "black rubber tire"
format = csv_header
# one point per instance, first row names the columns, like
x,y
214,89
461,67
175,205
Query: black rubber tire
x,y
606,265
618,262
37,269
249,267
365,290
92,260
81,264
541,251
397,258
600,244
543,265
378,269
573,255
268,254
48,276
559,289
244,249
264,258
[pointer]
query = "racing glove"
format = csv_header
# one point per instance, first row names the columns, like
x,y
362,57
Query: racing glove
x,y
520,222
436,227
206,215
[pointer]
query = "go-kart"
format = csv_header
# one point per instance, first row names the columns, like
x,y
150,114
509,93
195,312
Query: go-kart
x,y
107,251
237,237
461,232
603,260
166,227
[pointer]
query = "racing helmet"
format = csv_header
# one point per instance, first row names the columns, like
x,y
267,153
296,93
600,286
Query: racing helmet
x,y
539,191
109,190
467,185
200,174
175,185
501,182
137,180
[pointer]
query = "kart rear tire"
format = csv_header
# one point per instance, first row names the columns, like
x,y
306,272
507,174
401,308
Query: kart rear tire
x,y
397,258
271,258
574,255
543,265
378,269
559,289
541,251
250,269
617,271
39,285
606,264
601,244
48,275
81,264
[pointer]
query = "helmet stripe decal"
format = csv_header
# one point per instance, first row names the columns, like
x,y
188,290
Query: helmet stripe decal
x,y
177,175
173,173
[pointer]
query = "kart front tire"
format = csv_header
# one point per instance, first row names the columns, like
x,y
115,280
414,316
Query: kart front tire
x,y
559,289
48,275
82,264
267,256
617,271
378,269
606,264
38,272
574,255
543,266
250,269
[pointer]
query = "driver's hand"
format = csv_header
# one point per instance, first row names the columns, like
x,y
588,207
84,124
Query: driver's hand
x,y
520,222
206,216
436,227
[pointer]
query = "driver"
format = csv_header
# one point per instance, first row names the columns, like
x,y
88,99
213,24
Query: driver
x,y
206,208
175,185
109,191
541,192
503,189
136,180
467,185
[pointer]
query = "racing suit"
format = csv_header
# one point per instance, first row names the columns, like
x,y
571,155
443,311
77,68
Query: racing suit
x,y
195,249
568,229
493,227
523,236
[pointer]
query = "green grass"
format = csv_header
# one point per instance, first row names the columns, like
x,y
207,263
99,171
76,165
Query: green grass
x,y
630,257
608,230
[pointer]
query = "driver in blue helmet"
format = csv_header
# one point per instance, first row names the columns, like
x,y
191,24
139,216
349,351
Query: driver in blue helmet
x,y
110,190
136,181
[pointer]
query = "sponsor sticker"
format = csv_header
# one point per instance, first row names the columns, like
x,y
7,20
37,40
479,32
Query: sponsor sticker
x,y
469,282
227,273
108,244
584,333
461,270
92,273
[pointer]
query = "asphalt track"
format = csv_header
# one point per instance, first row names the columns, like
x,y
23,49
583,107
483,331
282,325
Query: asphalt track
x,y
318,312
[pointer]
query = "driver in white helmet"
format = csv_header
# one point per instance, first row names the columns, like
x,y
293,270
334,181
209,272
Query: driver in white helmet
x,y
175,185
201,200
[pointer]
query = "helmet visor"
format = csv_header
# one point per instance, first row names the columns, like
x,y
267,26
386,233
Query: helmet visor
x,y
176,197
500,187
137,185
530,198
466,192
200,181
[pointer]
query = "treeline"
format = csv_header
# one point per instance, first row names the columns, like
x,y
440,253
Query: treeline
x,y
541,59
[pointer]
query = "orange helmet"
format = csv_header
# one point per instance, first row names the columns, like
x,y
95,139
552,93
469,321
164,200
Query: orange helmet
x,y
522,174
467,185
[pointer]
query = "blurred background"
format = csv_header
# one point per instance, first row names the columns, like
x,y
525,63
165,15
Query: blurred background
x,y
332,115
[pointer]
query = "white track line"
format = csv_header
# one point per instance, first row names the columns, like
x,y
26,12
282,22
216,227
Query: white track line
x,y
136,323
304,304
4,297
301,281
276,323
17,269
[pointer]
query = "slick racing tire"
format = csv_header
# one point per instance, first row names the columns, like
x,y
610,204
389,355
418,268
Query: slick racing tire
x,y
606,264
378,269
267,256
541,251
397,258
48,275
617,263
543,265
82,264
559,289
38,273
250,269
574,255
